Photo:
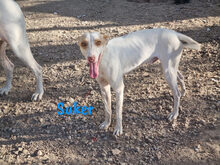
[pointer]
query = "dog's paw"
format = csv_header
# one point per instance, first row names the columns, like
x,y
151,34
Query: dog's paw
x,y
172,116
4,90
118,130
37,96
104,125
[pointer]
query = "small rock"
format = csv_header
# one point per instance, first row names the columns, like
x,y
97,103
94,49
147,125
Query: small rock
x,y
208,29
122,163
38,153
41,120
80,16
16,152
13,130
20,149
197,148
25,152
6,109
92,92
116,151
76,68
148,140
137,149
170,107
158,155
55,13
71,100
187,123
214,80
110,159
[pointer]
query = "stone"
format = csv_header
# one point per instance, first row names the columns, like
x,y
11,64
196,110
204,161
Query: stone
x,y
116,151
158,155
38,153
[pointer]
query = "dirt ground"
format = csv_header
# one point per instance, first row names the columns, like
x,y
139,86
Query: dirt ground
x,y
32,132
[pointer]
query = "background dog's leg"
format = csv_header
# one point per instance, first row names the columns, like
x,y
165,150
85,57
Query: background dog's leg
x,y
8,67
23,52
119,104
170,68
182,84
106,96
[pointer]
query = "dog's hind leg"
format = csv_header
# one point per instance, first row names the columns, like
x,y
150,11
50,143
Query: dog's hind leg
x,y
170,68
22,51
8,67
182,84
106,96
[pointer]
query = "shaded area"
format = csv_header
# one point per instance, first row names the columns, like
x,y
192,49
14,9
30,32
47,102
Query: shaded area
x,y
101,10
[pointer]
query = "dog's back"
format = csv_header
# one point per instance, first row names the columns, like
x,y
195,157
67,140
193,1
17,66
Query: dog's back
x,y
142,37
142,46
152,39
11,16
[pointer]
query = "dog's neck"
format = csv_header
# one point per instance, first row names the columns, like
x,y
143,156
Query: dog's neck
x,y
102,62
102,54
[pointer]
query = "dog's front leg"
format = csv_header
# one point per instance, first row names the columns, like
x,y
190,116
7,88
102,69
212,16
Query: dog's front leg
x,y
106,96
119,104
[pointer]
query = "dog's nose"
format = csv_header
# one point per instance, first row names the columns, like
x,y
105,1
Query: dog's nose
x,y
91,59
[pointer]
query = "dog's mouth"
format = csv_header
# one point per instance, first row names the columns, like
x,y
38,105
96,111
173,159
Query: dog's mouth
x,y
94,68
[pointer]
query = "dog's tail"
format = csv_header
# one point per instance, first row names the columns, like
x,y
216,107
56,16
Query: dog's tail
x,y
188,42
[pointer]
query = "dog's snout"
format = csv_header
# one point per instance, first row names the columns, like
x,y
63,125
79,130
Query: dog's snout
x,y
91,59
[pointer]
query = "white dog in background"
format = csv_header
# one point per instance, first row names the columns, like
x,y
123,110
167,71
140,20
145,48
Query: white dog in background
x,y
110,60
12,32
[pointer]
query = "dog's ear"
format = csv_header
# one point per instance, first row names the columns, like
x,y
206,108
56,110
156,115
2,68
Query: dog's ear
x,y
79,39
105,38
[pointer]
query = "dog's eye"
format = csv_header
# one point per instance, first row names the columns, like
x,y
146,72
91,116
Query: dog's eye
x,y
98,43
84,44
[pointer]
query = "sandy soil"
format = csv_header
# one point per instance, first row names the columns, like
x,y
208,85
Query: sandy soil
x,y
32,132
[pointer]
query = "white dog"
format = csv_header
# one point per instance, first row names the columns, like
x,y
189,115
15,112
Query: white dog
x,y
12,32
109,60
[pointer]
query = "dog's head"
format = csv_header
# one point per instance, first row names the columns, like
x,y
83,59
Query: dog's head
x,y
92,46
